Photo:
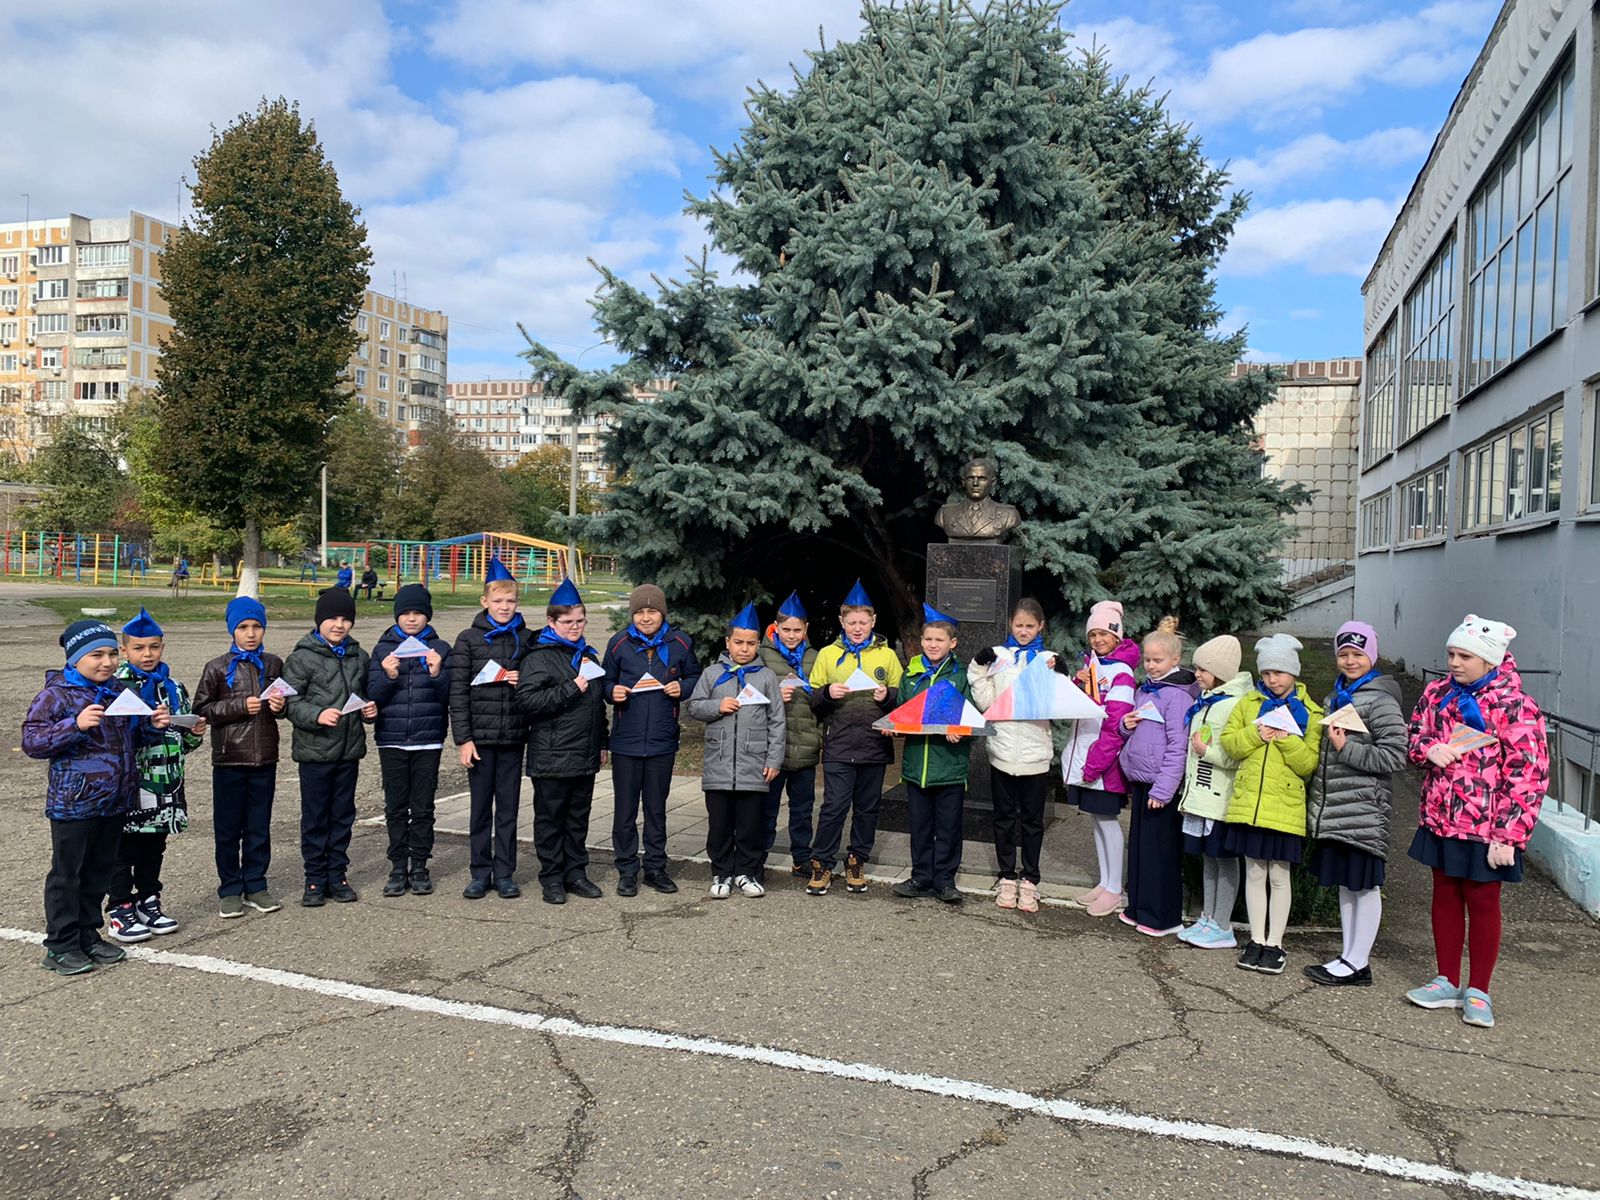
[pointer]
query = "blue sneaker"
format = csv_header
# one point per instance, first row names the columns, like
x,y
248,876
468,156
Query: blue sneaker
x,y
1215,937
1476,1009
1191,933
1441,993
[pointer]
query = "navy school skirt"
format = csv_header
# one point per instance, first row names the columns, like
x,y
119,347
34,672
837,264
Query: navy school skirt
x,y
1095,802
1461,859
1338,865
1264,845
1208,845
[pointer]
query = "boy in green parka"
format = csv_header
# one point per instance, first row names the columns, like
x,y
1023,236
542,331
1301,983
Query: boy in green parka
x,y
934,767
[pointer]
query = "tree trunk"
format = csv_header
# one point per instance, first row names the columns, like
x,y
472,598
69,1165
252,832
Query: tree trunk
x,y
249,565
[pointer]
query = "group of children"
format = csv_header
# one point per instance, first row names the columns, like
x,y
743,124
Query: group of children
x,y
1206,761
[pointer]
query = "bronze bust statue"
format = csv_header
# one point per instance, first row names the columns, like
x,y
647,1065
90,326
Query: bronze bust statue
x,y
977,518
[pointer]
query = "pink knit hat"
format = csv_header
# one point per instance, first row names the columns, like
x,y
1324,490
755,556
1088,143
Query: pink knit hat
x,y
1105,615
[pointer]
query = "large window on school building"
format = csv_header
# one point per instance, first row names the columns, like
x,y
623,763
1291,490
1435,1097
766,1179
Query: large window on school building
x,y
1424,506
1428,373
1514,475
1521,237
1375,514
1377,410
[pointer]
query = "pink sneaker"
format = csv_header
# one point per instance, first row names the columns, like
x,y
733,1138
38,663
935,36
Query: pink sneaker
x,y
1089,897
1152,931
1108,903
1006,897
1028,897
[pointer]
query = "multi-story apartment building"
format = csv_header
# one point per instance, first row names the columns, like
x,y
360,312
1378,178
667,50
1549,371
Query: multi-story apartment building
x,y
1483,359
82,322
507,418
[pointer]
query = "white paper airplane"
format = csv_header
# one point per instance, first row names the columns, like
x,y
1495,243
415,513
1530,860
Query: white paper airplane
x,y
1040,693
354,704
128,704
749,695
1279,718
278,687
1149,712
411,648
860,681
492,672
647,683
1346,718
184,720
589,669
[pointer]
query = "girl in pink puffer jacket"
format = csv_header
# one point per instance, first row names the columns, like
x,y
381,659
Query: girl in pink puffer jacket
x,y
1482,742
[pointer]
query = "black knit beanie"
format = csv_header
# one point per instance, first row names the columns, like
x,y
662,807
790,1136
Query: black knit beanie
x,y
335,602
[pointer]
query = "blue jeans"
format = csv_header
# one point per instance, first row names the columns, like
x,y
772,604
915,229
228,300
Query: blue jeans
x,y
241,817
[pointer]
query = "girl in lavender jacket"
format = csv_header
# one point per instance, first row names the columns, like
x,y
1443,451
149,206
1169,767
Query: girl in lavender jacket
x,y
1152,763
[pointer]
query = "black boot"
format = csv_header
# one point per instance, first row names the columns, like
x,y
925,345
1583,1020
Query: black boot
x,y
395,885
421,881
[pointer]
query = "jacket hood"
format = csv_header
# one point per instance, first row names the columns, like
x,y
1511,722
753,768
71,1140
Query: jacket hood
x,y
1507,678
312,642
1181,678
1237,686
1383,683
1127,653
56,677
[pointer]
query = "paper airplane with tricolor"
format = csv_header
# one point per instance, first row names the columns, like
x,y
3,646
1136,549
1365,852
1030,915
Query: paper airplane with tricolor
x,y
940,709
1041,693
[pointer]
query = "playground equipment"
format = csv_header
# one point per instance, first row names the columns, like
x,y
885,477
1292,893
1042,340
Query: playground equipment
x,y
532,561
91,558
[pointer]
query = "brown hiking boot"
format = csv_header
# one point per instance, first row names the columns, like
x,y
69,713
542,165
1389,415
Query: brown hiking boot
x,y
854,877
821,878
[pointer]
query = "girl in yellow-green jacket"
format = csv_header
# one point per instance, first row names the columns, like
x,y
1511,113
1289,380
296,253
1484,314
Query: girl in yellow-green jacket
x,y
1266,821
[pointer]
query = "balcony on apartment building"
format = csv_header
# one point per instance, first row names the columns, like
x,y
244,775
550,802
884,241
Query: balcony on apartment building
x,y
428,338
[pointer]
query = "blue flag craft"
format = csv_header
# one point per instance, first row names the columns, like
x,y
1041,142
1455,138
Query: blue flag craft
x,y
860,681
1041,693
939,710
1279,718
410,648
1149,712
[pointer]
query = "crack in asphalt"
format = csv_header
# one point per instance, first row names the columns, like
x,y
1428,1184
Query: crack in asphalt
x,y
562,1168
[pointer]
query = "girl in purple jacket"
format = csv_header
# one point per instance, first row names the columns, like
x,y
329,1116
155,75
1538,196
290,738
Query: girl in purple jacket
x,y
1152,762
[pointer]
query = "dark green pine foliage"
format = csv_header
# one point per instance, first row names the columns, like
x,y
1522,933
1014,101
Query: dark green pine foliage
x,y
956,236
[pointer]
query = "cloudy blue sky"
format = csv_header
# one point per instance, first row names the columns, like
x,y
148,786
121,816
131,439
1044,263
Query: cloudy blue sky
x,y
495,145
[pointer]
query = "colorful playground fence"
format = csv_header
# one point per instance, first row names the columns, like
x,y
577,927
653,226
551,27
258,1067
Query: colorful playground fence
x,y
89,558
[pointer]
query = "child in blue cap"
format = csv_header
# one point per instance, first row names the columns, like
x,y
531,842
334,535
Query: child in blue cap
x,y
787,652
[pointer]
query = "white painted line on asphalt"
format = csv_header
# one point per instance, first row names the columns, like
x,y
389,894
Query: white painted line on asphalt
x,y
1226,1136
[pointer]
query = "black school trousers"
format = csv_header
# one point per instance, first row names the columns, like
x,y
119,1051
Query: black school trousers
x,y
137,874
735,832
82,856
410,782
1018,821
241,819
802,788
935,814
561,827
851,790
495,784
640,782
327,819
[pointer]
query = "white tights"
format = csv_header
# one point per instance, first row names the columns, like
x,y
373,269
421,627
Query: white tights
x,y
1109,844
1259,876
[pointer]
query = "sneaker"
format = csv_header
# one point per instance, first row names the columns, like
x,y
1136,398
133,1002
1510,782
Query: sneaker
x,y
262,901
1027,897
1272,961
342,892
1107,904
1006,895
68,962
104,954
1126,919
910,889
149,910
1214,937
949,895
821,879
1441,993
1152,931
750,887
123,923
855,878
313,896
1085,899
801,870
1189,933
229,907
421,882
396,884
1476,1009
721,887
1250,957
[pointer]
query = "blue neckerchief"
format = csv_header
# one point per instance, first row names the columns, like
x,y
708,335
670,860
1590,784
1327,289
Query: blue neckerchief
x,y
856,648
427,632
512,626
658,643
920,665
795,658
152,684
549,637
729,671
339,649
1031,649
104,693
1201,705
1292,702
1344,690
1466,697
252,657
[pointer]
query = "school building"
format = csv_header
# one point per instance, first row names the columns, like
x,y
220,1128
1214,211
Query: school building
x,y
82,322
1482,338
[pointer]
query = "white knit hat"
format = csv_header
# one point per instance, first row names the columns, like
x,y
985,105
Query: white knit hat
x,y
1279,652
1487,638
1220,656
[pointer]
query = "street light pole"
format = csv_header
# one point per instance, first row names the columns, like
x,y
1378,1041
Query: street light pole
x,y
324,515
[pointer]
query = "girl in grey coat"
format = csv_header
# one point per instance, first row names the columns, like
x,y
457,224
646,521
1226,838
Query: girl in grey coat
x,y
741,702
1349,805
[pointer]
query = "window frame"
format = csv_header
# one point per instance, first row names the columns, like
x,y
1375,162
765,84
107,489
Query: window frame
x,y
1428,328
1379,383
1433,487
1508,473
1384,502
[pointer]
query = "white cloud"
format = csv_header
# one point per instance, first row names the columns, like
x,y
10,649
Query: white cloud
x,y
1323,237
1305,314
1318,154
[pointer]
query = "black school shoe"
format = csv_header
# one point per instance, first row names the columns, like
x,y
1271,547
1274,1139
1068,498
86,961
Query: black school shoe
x,y
313,896
421,882
950,895
1250,957
1358,977
1272,960
342,892
396,884
554,893
910,889
476,889
507,888
661,881
627,885
585,887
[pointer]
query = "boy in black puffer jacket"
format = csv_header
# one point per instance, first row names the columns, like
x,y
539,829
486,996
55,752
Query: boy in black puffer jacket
x,y
490,731
413,697
566,744
326,669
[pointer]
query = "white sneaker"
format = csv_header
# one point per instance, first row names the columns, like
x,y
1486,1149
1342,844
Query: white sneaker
x,y
720,887
749,886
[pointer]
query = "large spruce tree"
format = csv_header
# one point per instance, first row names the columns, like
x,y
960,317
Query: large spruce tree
x,y
263,281
957,236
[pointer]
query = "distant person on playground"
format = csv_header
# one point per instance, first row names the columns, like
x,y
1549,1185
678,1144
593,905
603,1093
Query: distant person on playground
x,y
742,705
180,570
788,654
413,698
559,692
491,731
244,757
345,577
327,669
853,683
1481,740
369,581
93,787
134,910
644,733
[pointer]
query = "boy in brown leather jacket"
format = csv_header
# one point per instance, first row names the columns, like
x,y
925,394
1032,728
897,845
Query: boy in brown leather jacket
x,y
244,757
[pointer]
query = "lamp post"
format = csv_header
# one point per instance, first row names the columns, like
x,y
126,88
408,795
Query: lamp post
x,y
572,481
